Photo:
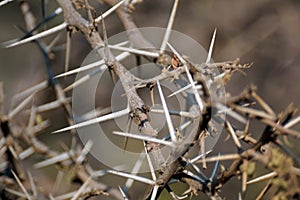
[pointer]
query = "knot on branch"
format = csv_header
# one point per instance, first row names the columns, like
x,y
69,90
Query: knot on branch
x,y
72,29
140,115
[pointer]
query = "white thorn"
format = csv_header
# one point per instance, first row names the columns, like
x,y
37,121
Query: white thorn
x,y
135,170
134,51
167,114
211,47
134,177
21,185
2,3
39,35
108,12
61,27
169,27
26,153
197,96
150,163
100,63
88,146
293,122
199,156
59,158
263,177
144,138
96,120
123,193
154,192
181,89
20,106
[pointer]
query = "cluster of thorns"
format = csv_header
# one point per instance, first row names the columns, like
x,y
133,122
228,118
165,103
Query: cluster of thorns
x,y
198,83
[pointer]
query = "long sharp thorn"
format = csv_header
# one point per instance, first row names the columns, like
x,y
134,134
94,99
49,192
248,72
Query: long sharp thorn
x,y
244,179
94,113
145,138
240,196
194,176
184,126
66,196
174,112
231,113
254,112
197,169
111,10
197,96
20,106
99,64
264,190
200,156
150,163
213,173
169,27
29,33
17,193
13,152
61,27
174,196
182,89
88,146
136,168
58,180
33,89
263,177
211,47
167,114
293,122
39,35
131,176
134,51
96,120
87,76
154,192
263,104
21,185
32,184
2,3
59,158
233,135
51,46
81,80
223,157
123,193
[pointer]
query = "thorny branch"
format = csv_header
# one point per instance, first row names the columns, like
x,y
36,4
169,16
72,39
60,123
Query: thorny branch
x,y
201,88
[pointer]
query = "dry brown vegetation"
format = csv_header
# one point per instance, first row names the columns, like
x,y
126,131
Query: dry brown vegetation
x,y
256,156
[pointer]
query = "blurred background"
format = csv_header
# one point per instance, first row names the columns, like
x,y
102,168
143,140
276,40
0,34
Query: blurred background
x,y
263,32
